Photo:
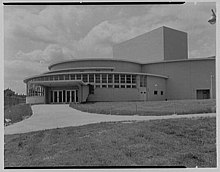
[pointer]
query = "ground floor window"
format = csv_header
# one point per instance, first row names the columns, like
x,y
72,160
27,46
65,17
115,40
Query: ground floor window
x,y
35,90
203,94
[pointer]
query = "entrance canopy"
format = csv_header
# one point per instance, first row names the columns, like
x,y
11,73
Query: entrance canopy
x,y
58,83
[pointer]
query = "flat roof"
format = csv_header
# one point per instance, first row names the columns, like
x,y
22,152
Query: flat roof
x,y
123,60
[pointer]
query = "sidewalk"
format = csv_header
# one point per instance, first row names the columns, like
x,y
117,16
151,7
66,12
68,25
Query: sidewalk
x,y
59,116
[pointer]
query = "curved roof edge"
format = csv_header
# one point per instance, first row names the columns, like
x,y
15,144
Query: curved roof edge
x,y
81,68
131,73
130,61
95,59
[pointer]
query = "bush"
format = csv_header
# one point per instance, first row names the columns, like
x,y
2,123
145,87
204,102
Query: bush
x,y
17,113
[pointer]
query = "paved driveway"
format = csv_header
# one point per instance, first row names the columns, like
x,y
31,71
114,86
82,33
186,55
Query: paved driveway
x,y
53,116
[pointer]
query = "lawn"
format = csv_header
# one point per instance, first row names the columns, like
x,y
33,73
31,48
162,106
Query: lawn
x,y
173,142
17,113
149,108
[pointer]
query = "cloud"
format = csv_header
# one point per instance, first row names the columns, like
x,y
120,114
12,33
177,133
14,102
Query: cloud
x,y
52,53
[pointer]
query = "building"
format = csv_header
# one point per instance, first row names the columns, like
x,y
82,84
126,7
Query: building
x,y
162,71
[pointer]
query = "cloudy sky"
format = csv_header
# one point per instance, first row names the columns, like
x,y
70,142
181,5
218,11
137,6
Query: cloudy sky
x,y
36,36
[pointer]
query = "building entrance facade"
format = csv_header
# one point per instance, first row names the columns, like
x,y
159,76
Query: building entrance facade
x,y
64,96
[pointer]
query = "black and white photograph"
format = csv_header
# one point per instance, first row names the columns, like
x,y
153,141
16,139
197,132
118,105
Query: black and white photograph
x,y
109,85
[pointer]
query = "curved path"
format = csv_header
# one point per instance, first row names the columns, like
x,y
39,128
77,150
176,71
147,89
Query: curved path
x,y
58,116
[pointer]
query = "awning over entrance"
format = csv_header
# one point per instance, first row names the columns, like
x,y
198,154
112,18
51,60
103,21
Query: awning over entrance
x,y
58,83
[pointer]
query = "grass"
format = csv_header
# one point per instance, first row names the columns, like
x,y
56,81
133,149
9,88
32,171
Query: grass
x,y
17,113
148,108
173,142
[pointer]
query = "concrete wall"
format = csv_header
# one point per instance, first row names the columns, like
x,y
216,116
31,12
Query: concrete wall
x,y
156,84
35,100
147,47
120,66
160,44
175,44
184,76
114,94
84,93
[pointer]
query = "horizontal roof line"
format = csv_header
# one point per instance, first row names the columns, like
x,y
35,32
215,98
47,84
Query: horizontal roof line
x,y
130,61
128,73
81,68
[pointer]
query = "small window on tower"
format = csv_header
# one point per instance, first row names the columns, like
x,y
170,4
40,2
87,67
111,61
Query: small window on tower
x,y
155,92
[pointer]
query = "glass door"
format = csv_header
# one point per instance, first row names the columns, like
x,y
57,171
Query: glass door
x,y
68,96
60,96
55,96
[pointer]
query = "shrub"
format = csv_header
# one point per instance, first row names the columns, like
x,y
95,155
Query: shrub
x,y
17,113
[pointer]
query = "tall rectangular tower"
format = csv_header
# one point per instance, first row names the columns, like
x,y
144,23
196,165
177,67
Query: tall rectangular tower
x,y
157,45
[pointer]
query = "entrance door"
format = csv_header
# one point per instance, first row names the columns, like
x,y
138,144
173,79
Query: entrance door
x,y
68,98
64,96
71,96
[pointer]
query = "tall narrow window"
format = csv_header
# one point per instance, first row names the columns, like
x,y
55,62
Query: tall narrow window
x,y
122,78
104,78
116,78
61,77
110,78
66,77
133,79
97,78
72,77
78,76
91,78
85,78
128,79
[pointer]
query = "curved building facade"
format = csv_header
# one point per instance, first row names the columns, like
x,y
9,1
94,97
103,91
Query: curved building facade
x,y
120,79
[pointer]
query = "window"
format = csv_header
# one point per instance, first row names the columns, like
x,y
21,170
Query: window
x,y
128,79
161,92
97,78
51,78
110,86
66,77
104,86
61,77
133,79
85,78
72,77
116,86
128,86
122,78
78,76
122,86
104,78
116,78
110,78
91,78
97,86
155,92
133,86
35,90
55,77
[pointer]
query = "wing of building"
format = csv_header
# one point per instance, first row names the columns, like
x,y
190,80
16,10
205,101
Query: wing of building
x,y
161,71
